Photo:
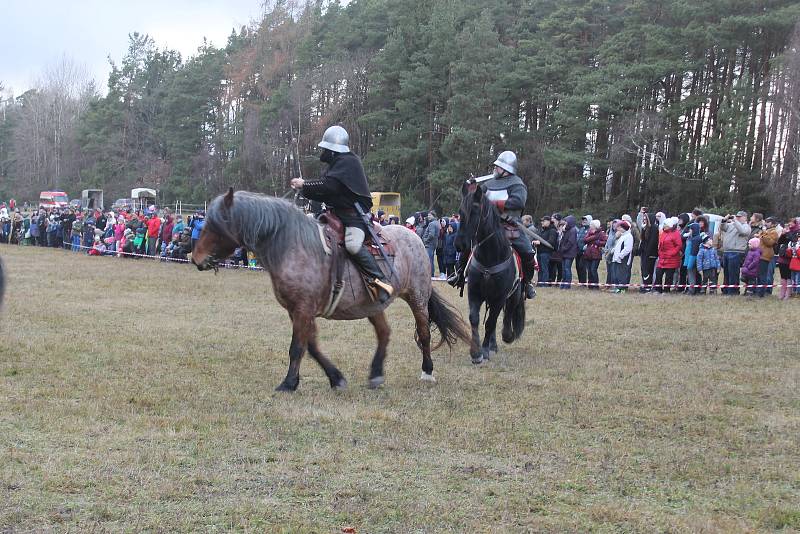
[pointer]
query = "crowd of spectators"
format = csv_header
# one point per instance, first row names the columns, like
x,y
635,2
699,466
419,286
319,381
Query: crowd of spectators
x,y
123,233
687,253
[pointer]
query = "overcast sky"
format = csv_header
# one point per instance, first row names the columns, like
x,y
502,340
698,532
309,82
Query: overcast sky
x,y
35,34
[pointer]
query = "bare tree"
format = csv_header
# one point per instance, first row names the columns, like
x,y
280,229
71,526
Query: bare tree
x,y
44,140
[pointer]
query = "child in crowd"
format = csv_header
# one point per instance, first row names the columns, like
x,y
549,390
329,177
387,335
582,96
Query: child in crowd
x,y
708,263
125,246
793,253
98,248
750,266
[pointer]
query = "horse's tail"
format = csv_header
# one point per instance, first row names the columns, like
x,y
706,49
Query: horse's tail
x,y
514,317
448,320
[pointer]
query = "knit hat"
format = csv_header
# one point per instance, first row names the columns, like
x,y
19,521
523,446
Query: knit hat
x,y
754,243
627,218
410,220
705,238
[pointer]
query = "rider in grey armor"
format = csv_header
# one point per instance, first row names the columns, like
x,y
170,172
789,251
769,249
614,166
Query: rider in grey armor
x,y
509,194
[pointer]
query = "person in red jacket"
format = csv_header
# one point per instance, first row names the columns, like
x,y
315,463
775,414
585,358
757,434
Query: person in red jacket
x,y
153,226
670,248
594,240
166,232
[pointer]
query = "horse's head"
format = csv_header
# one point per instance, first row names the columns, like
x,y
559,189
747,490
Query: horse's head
x,y
217,240
469,215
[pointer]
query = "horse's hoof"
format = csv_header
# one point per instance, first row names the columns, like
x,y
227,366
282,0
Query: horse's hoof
x,y
285,388
340,385
477,359
376,382
425,377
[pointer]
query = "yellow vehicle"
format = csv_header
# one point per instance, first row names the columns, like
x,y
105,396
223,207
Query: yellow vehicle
x,y
388,202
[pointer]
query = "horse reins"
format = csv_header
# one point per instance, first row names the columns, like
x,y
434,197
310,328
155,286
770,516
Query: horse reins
x,y
494,268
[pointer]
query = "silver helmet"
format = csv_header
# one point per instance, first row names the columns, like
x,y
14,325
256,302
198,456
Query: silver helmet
x,y
507,161
335,139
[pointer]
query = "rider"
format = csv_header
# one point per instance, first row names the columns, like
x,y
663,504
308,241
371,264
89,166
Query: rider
x,y
509,194
343,185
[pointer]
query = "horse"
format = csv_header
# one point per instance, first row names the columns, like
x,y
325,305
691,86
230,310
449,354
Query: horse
x,y
288,244
492,273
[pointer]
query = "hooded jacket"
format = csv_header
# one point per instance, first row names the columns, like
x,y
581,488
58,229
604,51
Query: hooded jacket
x,y
450,244
750,265
594,241
568,247
692,236
648,247
623,248
582,231
768,237
707,259
167,229
670,246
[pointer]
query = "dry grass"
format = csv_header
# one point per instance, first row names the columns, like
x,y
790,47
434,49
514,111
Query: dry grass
x,y
138,396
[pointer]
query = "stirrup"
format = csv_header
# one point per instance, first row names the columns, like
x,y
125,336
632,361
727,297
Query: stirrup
x,y
383,285
455,279
379,291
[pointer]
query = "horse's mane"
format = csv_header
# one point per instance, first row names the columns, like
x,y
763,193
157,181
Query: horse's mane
x,y
269,226
491,222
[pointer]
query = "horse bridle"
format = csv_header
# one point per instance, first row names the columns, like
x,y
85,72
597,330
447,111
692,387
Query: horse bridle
x,y
482,217
212,260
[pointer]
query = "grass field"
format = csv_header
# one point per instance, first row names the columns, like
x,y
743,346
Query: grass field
x,y
138,396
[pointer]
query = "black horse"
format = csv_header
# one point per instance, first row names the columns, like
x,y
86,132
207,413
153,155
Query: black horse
x,y
492,274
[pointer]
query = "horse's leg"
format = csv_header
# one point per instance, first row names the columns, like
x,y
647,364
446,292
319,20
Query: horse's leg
x,y
490,328
493,342
382,331
474,322
302,329
419,307
335,376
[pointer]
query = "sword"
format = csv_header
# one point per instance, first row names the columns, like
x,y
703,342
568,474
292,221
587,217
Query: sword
x,y
368,222
480,179
530,233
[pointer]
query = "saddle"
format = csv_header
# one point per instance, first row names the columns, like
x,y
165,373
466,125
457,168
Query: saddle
x,y
331,232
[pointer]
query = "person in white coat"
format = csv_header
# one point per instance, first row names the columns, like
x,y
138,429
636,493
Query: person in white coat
x,y
622,258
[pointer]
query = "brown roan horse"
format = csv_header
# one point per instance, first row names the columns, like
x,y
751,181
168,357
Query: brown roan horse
x,y
287,243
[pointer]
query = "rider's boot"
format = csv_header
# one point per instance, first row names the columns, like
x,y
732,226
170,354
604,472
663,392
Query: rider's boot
x,y
528,270
457,279
378,284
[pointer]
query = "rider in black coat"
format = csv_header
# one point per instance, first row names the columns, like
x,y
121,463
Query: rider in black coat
x,y
341,187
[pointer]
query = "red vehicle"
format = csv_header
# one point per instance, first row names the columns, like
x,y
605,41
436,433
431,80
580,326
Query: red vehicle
x,y
53,199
